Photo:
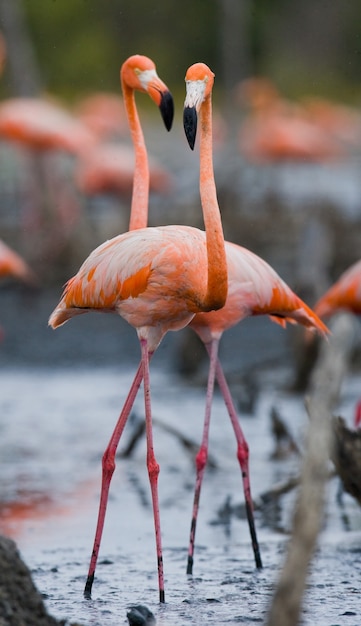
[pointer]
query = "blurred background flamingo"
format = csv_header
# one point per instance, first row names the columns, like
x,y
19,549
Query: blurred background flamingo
x,y
13,266
103,113
276,129
344,294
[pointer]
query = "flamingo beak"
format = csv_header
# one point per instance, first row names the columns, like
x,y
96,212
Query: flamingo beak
x,y
160,94
190,124
166,107
163,98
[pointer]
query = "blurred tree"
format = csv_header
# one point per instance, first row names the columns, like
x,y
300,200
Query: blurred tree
x,y
234,37
21,63
81,44
314,45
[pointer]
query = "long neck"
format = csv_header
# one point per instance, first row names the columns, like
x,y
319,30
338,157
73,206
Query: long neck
x,y
140,194
217,284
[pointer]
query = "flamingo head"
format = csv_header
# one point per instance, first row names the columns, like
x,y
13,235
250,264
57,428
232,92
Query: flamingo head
x,y
199,83
139,72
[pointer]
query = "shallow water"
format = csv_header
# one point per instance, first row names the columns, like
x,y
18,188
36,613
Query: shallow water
x,y
55,424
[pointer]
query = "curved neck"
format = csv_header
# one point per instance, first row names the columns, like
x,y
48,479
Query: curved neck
x,y
140,194
217,283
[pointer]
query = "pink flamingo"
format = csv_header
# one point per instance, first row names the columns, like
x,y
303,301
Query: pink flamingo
x,y
157,279
278,130
345,293
103,113
109,168
13,265
43,125
43,129
254,288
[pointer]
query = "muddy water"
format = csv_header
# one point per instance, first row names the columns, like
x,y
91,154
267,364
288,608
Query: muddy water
x,y
55,424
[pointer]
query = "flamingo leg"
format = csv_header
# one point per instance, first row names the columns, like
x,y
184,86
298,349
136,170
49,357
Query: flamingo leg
x,y
243,458
201,458
153,467
108,467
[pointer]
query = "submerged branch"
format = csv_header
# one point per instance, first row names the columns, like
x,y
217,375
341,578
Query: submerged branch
x,y
308,515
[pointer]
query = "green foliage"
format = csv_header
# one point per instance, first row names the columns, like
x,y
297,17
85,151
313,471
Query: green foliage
x,y
80,44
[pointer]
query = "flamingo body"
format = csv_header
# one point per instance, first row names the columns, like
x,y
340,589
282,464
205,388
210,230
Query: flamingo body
x,y
43,125
278,130
146,276
254,288
109,168
103,113
344,294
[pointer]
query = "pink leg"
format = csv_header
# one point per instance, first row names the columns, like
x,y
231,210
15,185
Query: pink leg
x,y
108,467
201,458
153,467
242,455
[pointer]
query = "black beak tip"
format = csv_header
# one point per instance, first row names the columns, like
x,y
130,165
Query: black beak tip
x,y
167,109
190,125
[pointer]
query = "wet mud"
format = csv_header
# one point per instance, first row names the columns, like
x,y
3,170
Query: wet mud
x,y
55,425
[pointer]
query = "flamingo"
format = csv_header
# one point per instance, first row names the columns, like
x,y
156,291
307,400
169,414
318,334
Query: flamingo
x,y
345,293
254,288
103,113
43,125
278,130
43,129
12,264
109,168
156,279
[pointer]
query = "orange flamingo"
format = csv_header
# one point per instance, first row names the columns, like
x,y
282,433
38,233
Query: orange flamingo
x,y
109,168
43,129
103,113
278,130
156,279
254,288
11,264
345,293
43,125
